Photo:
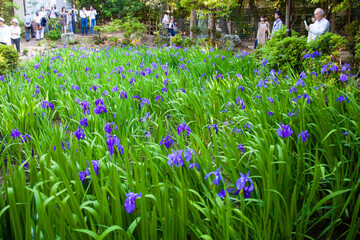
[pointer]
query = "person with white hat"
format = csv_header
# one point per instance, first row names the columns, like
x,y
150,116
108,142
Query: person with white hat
x,y
4,33
15,32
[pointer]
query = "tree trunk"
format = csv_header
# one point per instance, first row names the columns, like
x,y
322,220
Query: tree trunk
x,y
192,23
236,14
333,17
212,21
223,25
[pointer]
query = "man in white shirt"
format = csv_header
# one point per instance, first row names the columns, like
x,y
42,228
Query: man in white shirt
x,y
83,16
321,25
4,33
92,17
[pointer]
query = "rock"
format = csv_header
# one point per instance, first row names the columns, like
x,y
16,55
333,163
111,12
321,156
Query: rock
x,y
67,37
233,41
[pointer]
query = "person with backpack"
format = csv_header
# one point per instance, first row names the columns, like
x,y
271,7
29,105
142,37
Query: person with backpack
x,y
83,16
92,18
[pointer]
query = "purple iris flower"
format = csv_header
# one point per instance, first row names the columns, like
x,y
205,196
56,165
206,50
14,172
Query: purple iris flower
x,y
111,141
270,99
342,98
188,154
304,135
25,137
284,131
93,87
144,101
345,133
46,105
292,89
130,201
108,127
345,67
84,105
167,141
79,133
166,81
99,109
241,148
241,182
217,175
75,87
15,133
344,77
99,101
158,97
82,176
222,193
84,122
192,165
123,94
214,126
183,127
175,158
87,69
240,103
270,113
261,83
264,62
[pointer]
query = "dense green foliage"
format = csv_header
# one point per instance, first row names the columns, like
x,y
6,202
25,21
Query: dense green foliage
x,y
9,58
54,34
282,51
303,189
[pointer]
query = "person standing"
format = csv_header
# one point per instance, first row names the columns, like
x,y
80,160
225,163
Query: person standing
x,y
15,32
4,33
92,18
28,25
73,19
83,16
172,27
64,19
54,13
39,27
44,23
321,25
278,23
310,35
166,21
263,32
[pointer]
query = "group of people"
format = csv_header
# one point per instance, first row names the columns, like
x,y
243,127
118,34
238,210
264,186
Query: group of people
x,y
38,25
169,24
319,26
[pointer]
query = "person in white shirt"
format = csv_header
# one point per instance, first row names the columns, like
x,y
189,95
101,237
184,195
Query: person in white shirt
x,y
310,35
321,25
15,32
54,13
39,27
166,20
92,18
4,33
83,16
73,19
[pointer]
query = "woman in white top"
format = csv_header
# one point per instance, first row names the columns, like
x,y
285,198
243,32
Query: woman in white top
x,y
15,32
92,18
311,36
4,33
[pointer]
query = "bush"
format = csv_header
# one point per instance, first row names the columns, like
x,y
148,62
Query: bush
x,y
54,34
329,45
9,58
177,40
281,51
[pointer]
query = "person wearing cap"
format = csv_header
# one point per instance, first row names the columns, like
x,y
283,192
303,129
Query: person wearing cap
x,y
28,25
278,23
15,32
4,33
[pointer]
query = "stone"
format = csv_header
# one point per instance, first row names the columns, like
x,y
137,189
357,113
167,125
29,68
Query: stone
x,y
233,41
67,37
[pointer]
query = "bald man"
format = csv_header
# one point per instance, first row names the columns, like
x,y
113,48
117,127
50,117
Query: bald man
x,y
321,25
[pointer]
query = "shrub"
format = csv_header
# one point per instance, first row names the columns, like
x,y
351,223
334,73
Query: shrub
x,y
113,41
9,58
329,45
281,51
54,34
177,40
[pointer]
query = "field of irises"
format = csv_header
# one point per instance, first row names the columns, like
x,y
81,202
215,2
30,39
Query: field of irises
x,y
177,143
